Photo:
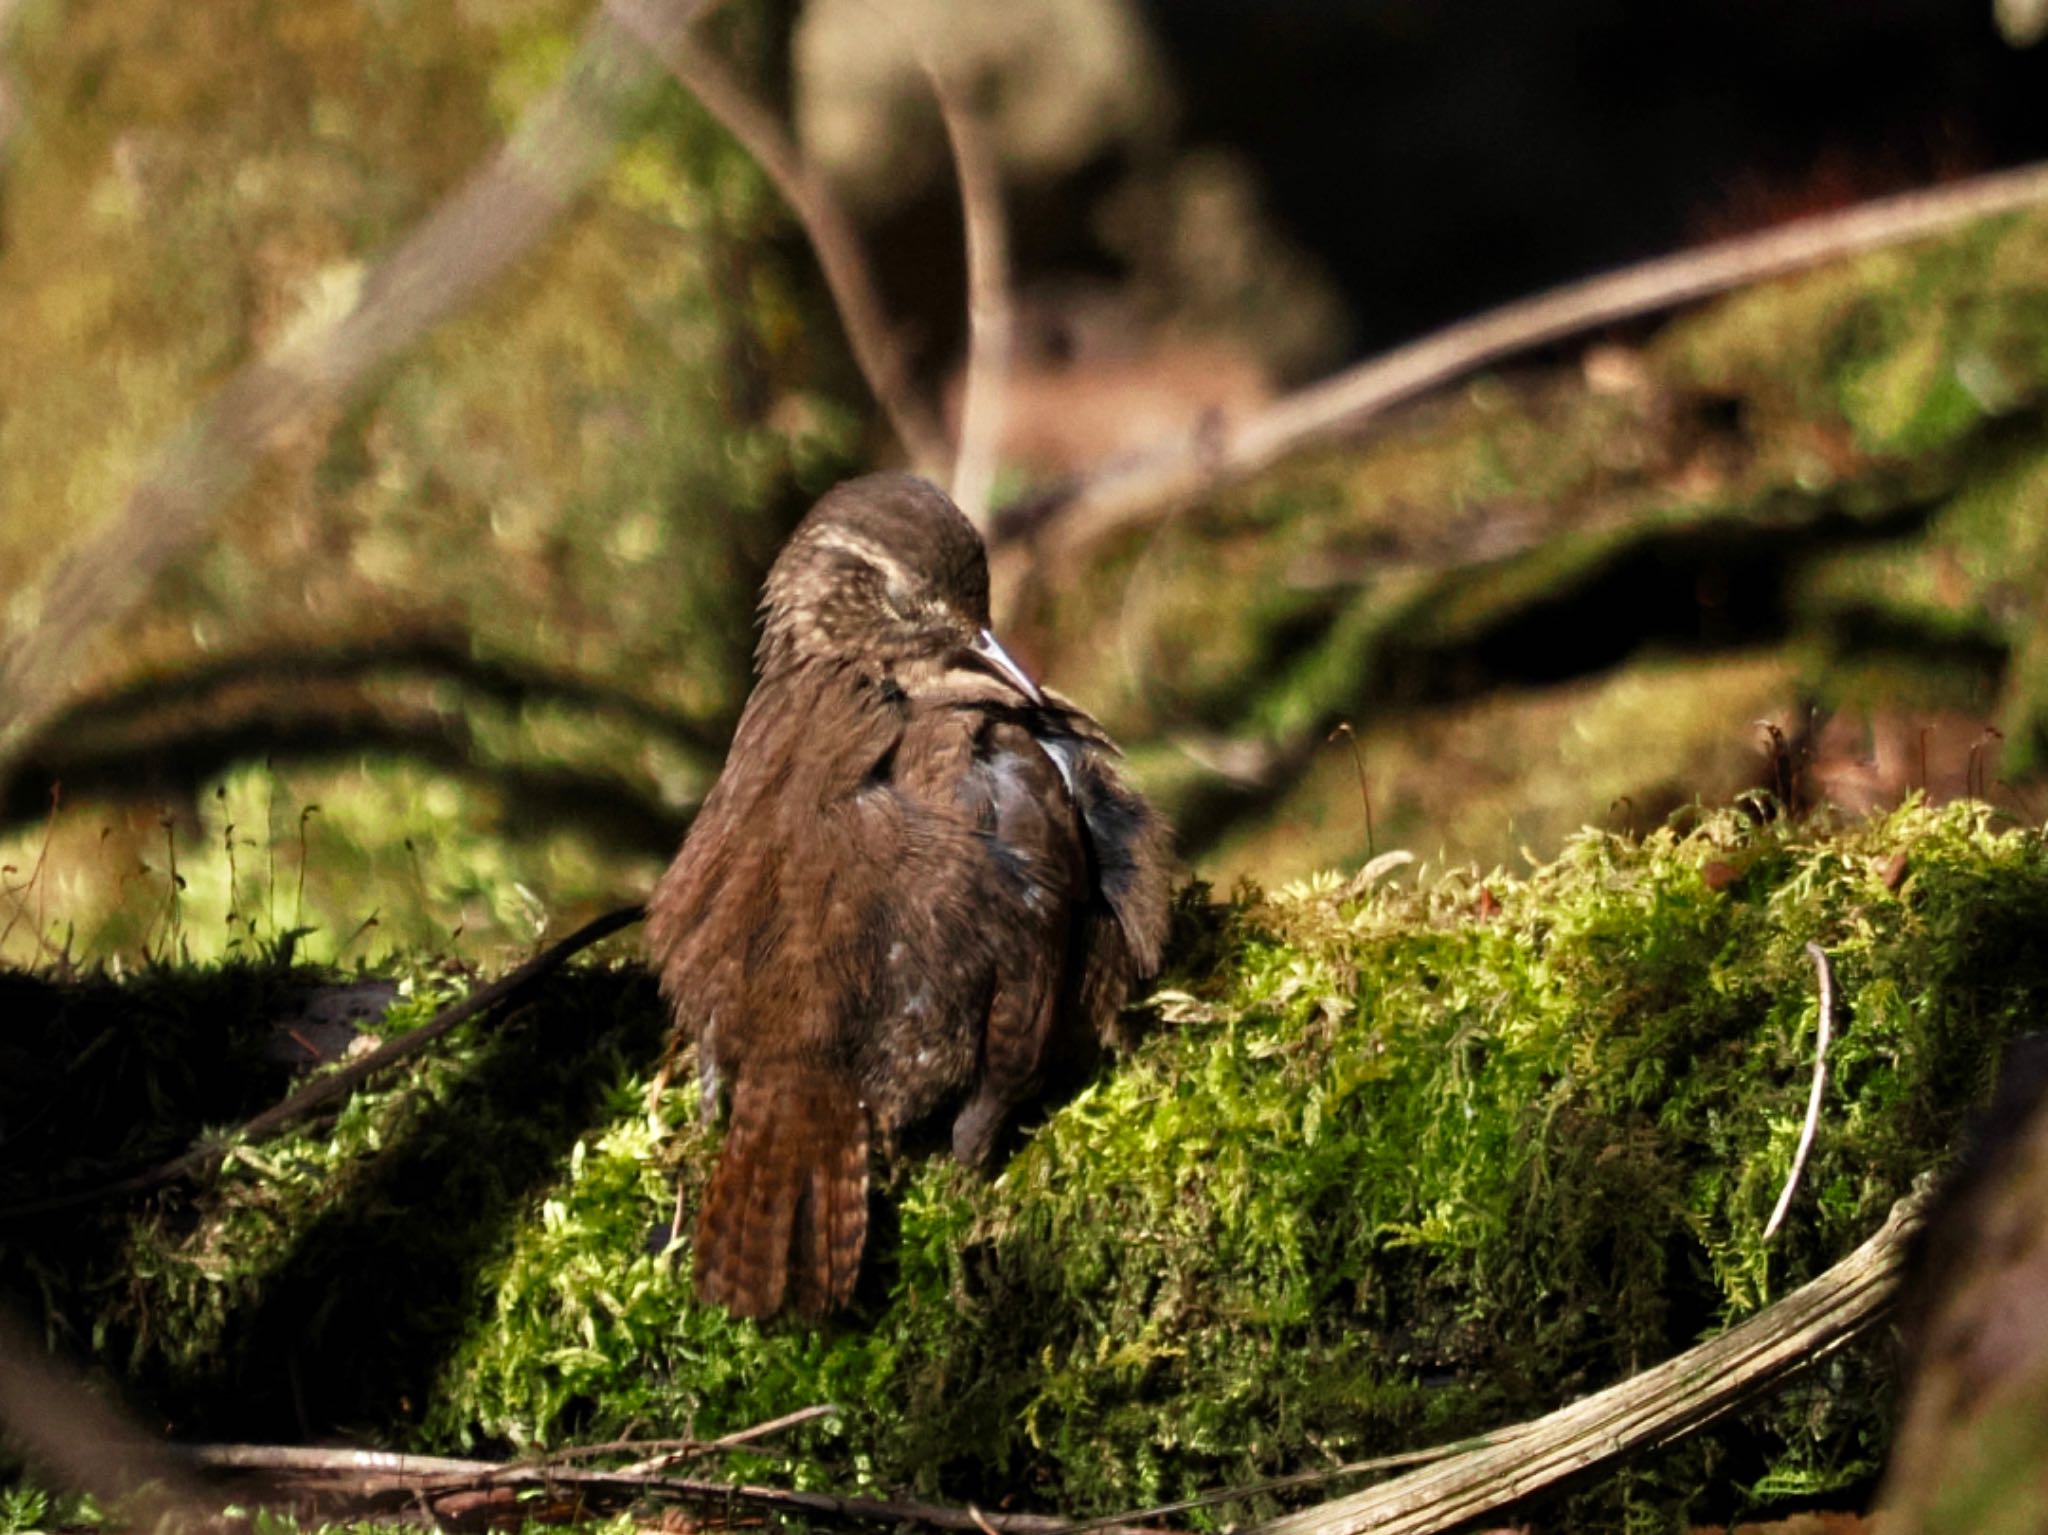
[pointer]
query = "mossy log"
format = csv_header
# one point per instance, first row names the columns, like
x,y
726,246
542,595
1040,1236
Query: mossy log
x,y
1393,1164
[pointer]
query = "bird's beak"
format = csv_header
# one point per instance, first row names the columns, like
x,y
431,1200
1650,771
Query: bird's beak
x,y
986,647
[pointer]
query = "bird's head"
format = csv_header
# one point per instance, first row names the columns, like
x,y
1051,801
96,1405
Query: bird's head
x,y
885,576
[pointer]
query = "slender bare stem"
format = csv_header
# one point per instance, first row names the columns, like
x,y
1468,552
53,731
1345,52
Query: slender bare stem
x,y
831,234
989,317
1813,1097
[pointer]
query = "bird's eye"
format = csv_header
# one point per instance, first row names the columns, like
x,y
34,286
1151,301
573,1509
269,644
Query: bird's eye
x,y
900,602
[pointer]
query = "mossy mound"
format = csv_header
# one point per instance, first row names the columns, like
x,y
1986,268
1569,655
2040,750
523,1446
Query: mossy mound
x,y
1392,1164
1395,1165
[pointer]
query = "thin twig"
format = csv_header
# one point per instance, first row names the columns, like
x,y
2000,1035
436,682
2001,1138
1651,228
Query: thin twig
x,y
322,1090
373,1471
833,240
990,325
738,1439
441,1473
1813,1097
1140,488
1364,789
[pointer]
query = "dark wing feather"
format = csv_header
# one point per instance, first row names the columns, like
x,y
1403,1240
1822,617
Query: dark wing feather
x,y
1035,880
1131,853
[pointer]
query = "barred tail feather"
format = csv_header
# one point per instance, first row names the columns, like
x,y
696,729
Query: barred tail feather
x,y
786,1215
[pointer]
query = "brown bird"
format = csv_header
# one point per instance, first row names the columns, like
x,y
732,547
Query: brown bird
x,y
918,884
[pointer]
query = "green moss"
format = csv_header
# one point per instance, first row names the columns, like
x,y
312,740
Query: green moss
x,y
1391,1166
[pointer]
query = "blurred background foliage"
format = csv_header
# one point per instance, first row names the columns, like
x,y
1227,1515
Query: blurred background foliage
x,y
457,665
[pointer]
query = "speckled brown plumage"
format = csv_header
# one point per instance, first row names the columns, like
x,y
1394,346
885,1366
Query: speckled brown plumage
x,y
918,882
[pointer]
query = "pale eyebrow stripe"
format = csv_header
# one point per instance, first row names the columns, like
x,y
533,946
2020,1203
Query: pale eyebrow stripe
x,y
871,553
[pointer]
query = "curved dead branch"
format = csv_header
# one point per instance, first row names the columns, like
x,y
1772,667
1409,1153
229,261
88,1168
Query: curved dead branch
x,y
832,237
1215,455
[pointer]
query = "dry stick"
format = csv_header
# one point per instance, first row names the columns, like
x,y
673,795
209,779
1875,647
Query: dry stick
x,y
322,1090
494,217
1399,1462
440,1473
1364,789
1820,1082
1654,1408
1137,489
990,325
738,1439
372,1471
831,234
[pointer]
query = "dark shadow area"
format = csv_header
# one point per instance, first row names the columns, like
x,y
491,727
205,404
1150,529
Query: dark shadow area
x,y
1871,633
1441,159
1711,586
423,657
353,1328
347,1327
99,1078
176,765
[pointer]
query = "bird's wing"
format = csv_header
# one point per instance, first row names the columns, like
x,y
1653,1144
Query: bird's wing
x,y
1032,870
1130,845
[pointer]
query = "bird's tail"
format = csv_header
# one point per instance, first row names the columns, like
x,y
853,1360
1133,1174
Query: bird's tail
x,y
786,1214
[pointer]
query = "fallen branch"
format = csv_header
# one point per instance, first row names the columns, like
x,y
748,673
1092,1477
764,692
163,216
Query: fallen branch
x,y
502,992
1213,456
1656,1407
435,1472
371,1473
